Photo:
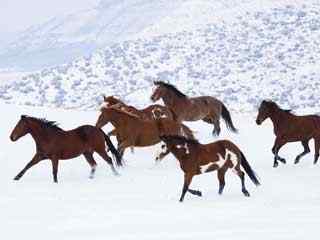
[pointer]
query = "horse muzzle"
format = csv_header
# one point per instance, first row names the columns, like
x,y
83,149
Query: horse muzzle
x,y
258,122
13,138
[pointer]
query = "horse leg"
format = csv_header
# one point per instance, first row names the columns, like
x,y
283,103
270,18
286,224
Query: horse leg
x,y
221,173
37,158
316,149
241,175
105,156
92,163
305,151
122,147
195,192
187,180
275,150
55,164
217,129
132,149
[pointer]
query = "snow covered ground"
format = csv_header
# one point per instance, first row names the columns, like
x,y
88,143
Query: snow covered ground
x,y
245,53
143,202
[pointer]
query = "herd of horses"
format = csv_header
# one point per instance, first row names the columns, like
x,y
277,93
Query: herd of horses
x,y
145,127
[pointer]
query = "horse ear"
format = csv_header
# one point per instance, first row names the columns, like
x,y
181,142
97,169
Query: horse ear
x,y
104,98
23,116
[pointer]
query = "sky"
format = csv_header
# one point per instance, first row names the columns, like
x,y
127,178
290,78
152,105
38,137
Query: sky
x,y
17,15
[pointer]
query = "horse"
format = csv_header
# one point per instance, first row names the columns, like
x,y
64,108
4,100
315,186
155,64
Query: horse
x,y
184,108
56,144
132,131
147,113
290,128
196,158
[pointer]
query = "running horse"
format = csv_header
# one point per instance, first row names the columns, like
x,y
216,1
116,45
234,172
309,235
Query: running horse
x,y
147,113
184,108
55,144
196,158
290,128
132,131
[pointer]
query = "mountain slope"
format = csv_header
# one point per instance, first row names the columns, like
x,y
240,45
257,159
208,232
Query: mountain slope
x,y
62,39
264,54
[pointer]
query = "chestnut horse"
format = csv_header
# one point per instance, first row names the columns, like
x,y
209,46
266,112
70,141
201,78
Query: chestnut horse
x,y
147,113
206,108
290,128
132,131
196,158
56,144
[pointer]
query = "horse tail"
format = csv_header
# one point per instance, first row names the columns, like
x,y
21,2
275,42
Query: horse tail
x,y
227,118
113,150
252,175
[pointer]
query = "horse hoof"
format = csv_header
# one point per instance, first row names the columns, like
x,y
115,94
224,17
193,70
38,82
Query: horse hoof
x,y
16,178
246,193
296,161
198,193
275,165
282,160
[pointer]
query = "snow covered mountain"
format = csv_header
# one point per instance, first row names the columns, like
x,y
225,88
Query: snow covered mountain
x,y
272,53
62,39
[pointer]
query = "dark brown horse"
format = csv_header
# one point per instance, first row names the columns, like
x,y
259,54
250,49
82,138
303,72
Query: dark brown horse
x,y
206,108
131,130
290,128
56,144
147,113
196,158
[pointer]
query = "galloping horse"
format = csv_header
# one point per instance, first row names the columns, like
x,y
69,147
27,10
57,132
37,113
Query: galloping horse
x,y
147,113
196,158
56,144
206,108
290,128
132,131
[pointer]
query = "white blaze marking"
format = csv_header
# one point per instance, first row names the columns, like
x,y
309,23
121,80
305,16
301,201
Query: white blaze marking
x,y
185,146
187,149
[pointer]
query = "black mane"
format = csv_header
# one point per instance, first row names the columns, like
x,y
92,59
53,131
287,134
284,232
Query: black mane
x,y
274,104
171,87
179,139
44,122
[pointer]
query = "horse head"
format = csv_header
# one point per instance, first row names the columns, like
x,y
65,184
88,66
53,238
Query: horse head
x,y
21,129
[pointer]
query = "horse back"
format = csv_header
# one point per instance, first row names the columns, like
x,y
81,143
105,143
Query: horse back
x,y
85,133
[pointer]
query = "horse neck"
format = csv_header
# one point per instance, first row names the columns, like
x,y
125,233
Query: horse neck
x,y
171,100
279,117
120,119
40,134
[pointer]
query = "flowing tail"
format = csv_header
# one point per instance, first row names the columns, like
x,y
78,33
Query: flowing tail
x,y
113,150
252,175
227,118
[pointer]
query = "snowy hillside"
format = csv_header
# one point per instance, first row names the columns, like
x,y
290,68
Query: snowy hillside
x,y
142,204
62,39
272,53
